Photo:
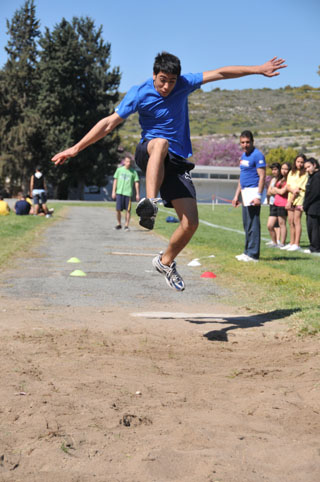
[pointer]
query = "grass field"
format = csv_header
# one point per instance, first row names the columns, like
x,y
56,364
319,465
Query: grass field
x,y
18,232
281,281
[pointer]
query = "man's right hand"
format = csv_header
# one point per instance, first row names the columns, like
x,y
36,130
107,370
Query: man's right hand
x,y
61,157
235,203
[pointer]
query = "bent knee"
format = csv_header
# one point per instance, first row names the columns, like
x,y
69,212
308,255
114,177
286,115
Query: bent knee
x,y
158,144
190,225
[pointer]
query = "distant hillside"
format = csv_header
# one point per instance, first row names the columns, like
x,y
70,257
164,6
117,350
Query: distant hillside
x,y
281,117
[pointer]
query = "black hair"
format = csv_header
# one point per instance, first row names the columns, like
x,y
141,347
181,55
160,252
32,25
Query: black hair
x,y
287,164
167,63
247,134
282,179
314,162
294,167
276,165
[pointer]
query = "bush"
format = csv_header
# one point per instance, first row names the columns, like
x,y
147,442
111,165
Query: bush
x,y
281,155
212,153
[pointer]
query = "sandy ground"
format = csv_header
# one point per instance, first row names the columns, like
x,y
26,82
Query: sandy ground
x,y
114,377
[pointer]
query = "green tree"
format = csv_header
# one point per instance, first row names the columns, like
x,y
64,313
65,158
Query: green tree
x,y
20,137
77,88
281,155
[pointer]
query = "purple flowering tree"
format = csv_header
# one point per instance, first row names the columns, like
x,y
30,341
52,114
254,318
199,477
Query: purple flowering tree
x,y
210,152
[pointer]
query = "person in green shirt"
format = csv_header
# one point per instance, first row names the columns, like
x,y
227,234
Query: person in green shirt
x,y
124,179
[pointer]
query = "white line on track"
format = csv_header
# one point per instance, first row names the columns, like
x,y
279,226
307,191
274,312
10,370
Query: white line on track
x,y
216,226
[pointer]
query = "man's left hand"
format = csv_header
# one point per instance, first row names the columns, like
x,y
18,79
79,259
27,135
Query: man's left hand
x,y
270,68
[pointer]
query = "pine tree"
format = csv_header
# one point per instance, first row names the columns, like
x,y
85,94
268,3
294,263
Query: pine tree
x,y
19,123
77,89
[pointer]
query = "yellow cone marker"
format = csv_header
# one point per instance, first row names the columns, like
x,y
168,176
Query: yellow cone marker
x,y
73,260
78,272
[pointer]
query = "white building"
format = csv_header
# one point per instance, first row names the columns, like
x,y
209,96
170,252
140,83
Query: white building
x,y
217,183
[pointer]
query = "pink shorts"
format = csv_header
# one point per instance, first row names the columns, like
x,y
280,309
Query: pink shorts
x,y
296,208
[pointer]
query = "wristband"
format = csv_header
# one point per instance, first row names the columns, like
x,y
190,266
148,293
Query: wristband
x,y
258,196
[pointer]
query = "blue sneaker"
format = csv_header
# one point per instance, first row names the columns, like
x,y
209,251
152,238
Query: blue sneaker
x,y
172,276
147,210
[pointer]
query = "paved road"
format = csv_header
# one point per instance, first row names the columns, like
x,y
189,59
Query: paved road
x,y
117,264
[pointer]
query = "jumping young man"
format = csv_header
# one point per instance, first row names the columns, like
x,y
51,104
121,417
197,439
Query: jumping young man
x,y
165,145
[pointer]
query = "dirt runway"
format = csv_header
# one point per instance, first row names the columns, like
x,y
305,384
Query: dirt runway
x,y
114,377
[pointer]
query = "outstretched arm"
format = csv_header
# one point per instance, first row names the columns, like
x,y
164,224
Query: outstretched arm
x,y
101,129
268,69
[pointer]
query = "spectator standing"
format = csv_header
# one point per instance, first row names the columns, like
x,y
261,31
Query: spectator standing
x,y
272,224
38,190
22,207
311,205
4,207
280,193
296,185
124,179
251,187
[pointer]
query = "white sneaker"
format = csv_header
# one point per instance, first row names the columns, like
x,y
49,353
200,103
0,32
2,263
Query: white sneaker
x,y
315,253
245,257
273,245
280,245
171,274
286,246
294,247
269,243
248,259
241,257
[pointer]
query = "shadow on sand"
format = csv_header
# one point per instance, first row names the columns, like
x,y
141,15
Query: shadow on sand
x,y
239,322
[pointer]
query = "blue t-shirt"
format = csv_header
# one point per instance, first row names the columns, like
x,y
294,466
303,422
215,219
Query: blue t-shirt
x,y
164,117
248,168
22,207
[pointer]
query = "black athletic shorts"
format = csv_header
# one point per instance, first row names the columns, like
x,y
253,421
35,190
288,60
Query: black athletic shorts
x,y
281,211
273,210
177,183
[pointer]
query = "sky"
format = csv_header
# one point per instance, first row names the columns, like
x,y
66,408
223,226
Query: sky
x,y
204,34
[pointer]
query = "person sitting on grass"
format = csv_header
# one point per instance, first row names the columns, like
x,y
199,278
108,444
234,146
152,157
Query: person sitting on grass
x,y
4,207
22,207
